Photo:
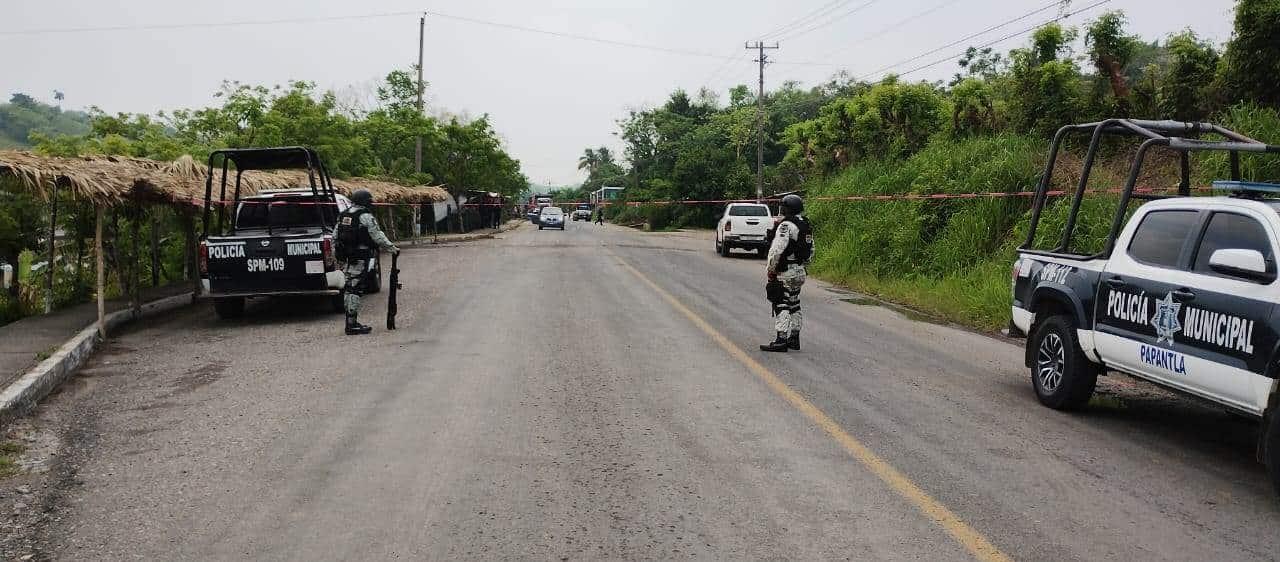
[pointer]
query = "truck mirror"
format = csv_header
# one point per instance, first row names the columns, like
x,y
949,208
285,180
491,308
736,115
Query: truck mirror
x,y
1241,263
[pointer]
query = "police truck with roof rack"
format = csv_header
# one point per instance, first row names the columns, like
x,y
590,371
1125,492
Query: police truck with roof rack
x,y
274,243
1184,294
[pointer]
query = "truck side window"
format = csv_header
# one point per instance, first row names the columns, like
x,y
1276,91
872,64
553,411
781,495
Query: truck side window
x,y
1229,231
1160,237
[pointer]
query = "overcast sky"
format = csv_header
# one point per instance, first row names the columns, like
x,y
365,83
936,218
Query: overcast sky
x,y
549,97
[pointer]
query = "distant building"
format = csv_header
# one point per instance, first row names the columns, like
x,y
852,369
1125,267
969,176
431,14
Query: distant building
x,y
605,194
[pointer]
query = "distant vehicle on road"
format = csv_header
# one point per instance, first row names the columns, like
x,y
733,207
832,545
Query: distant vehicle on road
x,y
1184,294
274,243
551,217
532,214
744,225
582,213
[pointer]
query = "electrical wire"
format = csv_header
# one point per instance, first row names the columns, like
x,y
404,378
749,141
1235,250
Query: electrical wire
x,y
821,25
477,21
890,28
968,37
806,19
990,43
201,25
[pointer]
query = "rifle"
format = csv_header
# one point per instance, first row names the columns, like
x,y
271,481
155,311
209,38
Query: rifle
x,y
393,286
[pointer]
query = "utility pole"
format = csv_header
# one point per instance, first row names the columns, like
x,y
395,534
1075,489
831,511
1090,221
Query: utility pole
x,y
417,151
763,60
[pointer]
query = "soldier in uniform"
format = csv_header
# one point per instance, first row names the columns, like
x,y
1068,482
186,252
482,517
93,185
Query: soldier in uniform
x,y
358,240
790,252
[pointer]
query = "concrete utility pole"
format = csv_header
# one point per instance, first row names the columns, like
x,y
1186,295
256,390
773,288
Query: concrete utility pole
x,y
417,151
763,60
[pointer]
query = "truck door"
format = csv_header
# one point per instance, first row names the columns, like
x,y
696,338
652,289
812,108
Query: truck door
x,y
1138,298
1169,316
1227,319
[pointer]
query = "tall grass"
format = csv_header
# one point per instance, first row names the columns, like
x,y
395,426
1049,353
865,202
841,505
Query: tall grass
x,y
948,257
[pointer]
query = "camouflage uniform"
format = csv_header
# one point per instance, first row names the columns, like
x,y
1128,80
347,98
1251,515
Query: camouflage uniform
x,y
787,317
356,268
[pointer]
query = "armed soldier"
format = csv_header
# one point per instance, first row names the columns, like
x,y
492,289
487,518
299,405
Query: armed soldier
x,y
788,255
358,240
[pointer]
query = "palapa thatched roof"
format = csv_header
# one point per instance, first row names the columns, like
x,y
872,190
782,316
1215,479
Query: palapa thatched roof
x,y
115,179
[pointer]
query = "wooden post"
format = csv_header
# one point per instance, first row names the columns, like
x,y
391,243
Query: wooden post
x,y
135,273
102,271
155,247
53,235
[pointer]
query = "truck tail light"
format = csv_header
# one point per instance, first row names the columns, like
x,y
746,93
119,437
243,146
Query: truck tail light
x,y
203,261
330,261
728,226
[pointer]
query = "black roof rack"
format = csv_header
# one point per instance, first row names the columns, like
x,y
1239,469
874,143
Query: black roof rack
x,y
1183,137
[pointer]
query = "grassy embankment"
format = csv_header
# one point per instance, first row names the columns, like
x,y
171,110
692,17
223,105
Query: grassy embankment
x,y
952,258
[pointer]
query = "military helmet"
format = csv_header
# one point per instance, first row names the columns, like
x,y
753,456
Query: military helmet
x,y
792,205
362,197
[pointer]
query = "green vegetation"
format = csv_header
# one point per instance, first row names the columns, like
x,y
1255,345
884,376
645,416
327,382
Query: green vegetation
x,y
462,154
9,453
24,115
985,131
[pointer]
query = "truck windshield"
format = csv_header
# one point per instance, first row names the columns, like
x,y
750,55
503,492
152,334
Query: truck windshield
x,y
748,211
280,212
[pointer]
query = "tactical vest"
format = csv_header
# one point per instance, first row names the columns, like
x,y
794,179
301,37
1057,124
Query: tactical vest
x,y
799,250
352,238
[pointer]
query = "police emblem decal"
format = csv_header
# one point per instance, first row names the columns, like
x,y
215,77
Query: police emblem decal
x,y
1165,320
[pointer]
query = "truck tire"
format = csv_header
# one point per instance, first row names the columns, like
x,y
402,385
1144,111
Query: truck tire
x,y
724,249
1272,447
229,308
1062,375
339,303
717,245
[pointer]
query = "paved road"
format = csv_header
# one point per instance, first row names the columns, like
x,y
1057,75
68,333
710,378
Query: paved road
x,y
596,393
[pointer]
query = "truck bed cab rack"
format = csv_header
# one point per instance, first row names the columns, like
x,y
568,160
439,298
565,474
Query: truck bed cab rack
x,y
1173,135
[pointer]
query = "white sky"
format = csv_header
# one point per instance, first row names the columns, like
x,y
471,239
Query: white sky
x,y
549,97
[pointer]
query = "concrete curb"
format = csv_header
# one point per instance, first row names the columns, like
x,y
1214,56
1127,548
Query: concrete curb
x,y
24,393
426,240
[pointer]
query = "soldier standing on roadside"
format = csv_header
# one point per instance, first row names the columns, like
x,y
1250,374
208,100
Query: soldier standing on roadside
x,y
358,240
790,252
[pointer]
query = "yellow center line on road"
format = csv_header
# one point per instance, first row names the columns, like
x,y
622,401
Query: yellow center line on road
x,y
967,536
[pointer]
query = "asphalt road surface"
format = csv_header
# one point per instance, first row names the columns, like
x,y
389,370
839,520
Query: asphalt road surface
x,y
597,393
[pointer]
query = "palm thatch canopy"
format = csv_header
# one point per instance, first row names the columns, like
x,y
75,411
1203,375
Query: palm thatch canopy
x,y
111,180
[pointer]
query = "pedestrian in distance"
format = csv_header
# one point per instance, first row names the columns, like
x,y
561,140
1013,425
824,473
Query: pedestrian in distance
x,y
789,254
358,241
600,215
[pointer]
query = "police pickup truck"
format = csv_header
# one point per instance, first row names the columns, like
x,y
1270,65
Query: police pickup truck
x,y
1184,294
275,243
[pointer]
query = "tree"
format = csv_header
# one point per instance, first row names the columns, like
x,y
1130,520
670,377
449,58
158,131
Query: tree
x,y
588,161
1185,91
1253,53
1110,51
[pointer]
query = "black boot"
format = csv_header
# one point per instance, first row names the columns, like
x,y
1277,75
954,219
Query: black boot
x,y
779,344
794,341
355,328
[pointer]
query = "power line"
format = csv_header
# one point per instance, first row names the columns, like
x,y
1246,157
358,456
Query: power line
x,y
968,37
477,21
200,25
990,43
821,25
577,37
807,18
892,27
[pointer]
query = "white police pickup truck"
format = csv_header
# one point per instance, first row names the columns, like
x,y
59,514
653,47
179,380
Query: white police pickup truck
x,y
1184,295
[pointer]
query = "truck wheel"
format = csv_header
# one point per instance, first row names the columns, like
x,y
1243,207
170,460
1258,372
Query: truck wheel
x,y
717,246
724,249
229,308
339,303
1061,374
374,281
1272,450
